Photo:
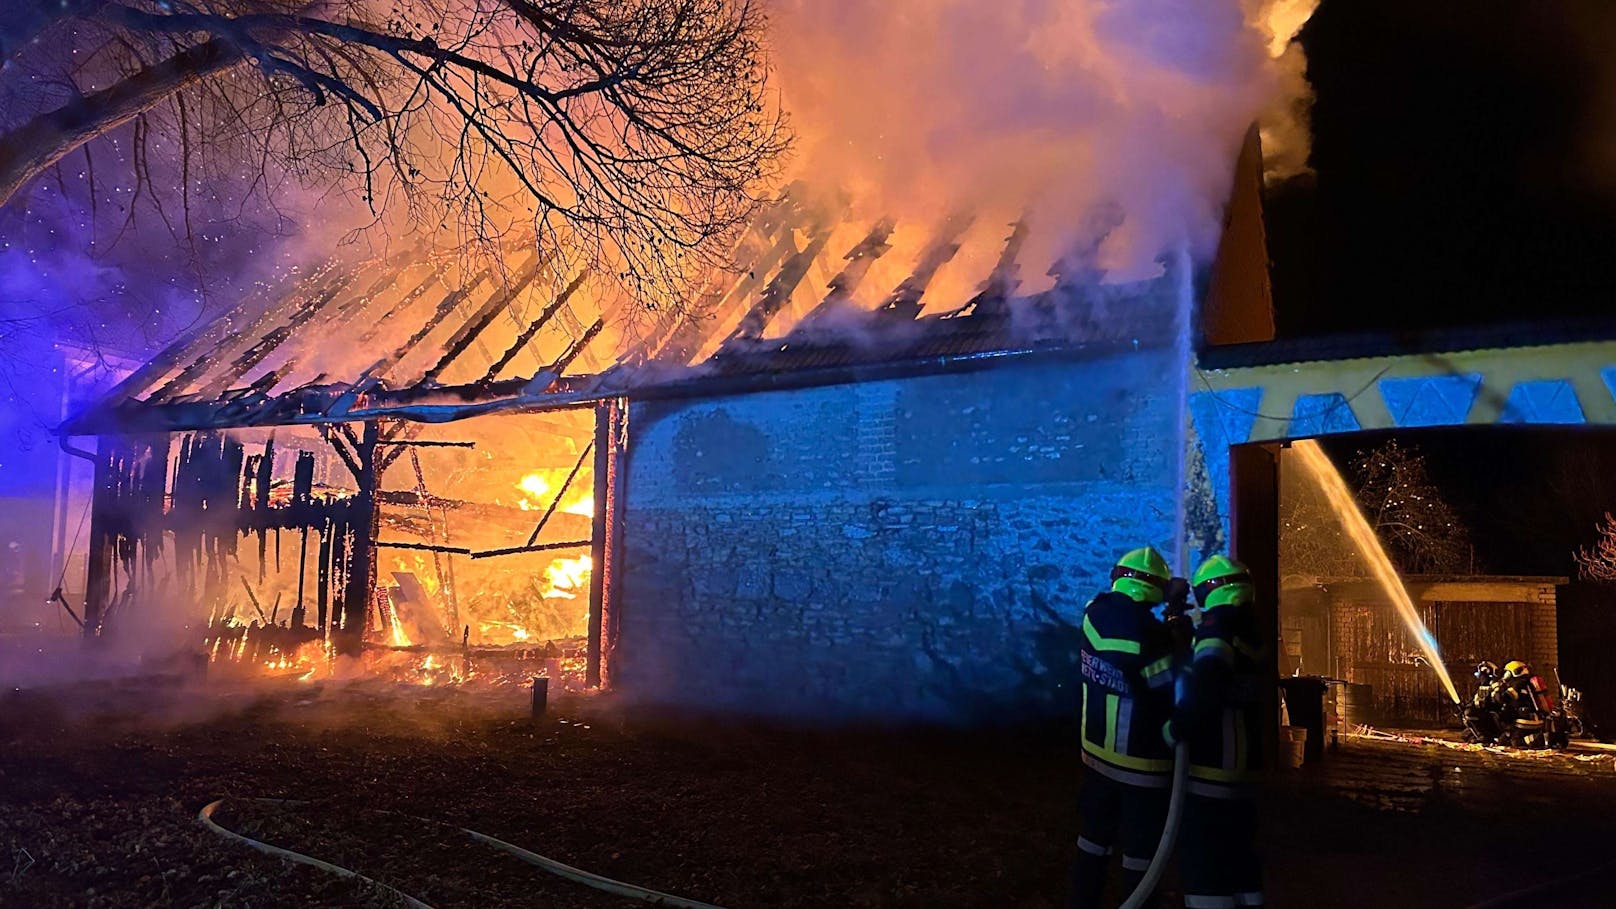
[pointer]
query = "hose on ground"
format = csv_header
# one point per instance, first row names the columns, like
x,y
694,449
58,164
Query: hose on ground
x,y
1169,837
206,817
560,869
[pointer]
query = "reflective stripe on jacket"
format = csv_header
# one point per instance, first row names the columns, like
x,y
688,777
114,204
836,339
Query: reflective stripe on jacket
x,y
1127,668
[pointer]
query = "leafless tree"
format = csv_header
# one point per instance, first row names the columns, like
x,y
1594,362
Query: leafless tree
x,y
1421,531
1598,562
633,134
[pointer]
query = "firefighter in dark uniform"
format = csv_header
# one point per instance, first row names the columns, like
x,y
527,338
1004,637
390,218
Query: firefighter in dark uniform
x,y
1127,665
1219,715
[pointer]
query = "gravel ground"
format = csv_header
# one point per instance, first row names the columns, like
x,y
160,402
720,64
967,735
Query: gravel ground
x,y
100,786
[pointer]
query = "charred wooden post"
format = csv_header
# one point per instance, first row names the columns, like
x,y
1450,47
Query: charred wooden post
x,y
125,514
361,575
610,423
98,581
302,493
541,696
322,583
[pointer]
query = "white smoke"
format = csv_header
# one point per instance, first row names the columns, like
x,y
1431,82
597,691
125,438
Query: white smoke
x,y
917,108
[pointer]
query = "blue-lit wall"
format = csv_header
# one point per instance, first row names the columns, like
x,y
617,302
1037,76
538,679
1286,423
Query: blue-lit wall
x,y
41,524
909,548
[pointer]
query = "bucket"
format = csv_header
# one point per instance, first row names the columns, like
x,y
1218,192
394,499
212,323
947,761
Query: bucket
x,y
1304,704
1293,746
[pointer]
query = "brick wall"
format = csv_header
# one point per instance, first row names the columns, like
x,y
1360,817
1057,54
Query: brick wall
x,y
907,548
1545,632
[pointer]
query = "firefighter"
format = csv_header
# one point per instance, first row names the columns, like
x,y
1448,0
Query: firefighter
x,y
1127,665
1219,715
1481,715
1515,690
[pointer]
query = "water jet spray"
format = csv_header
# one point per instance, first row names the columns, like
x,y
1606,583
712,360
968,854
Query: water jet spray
x,y
1330,482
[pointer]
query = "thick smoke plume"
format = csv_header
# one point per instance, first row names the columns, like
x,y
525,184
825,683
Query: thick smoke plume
x,y
1058,110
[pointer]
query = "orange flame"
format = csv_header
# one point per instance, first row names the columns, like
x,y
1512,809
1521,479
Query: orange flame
x,y
533,489
566,578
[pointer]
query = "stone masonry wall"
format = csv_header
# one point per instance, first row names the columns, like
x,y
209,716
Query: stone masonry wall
x,y
903,549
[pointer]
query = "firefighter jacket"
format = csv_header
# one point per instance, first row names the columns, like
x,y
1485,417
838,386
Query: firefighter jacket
x,y
1127,669
1219,705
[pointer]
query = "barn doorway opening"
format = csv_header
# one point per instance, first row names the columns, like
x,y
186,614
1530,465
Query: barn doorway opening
x,y
1494,532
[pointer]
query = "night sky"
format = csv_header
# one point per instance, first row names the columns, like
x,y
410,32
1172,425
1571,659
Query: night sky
x,y
1465,158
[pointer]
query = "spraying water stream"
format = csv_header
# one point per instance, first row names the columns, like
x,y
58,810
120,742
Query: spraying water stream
x,y
1329,480
1184,362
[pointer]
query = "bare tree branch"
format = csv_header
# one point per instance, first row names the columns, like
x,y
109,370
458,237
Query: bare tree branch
x,y
30,149
635,136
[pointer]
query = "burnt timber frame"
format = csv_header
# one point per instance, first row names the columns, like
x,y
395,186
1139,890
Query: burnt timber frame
x,y
611,430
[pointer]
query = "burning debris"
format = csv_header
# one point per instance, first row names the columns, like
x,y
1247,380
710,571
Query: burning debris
x,y
293,555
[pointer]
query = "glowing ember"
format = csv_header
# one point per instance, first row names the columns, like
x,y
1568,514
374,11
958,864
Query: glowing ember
x,y
533,488
537,493
395,628
1318,466
567,578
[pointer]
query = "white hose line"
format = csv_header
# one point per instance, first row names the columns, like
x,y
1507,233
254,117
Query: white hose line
x,y
206,817
588,879
560,869
1169,837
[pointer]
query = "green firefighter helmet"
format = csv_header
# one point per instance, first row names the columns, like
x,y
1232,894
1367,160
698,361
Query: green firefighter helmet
x,y
1221,580
1142,575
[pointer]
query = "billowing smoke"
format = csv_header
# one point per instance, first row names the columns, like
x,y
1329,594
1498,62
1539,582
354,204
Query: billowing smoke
x,y
917,109
1286,139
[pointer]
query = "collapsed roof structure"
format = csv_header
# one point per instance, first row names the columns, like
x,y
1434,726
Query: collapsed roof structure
x,y
420,335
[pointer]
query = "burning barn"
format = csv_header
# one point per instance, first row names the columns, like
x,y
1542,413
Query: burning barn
x,y
877,471
838,481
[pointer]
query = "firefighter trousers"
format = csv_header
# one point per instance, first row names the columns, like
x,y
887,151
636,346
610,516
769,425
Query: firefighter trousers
x,y
1115,817
1217,854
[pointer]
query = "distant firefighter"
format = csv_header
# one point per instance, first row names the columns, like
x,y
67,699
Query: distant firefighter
x,y
1127,661
1219,716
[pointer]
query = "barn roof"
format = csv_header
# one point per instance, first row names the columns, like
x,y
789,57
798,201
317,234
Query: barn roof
x,y
813,295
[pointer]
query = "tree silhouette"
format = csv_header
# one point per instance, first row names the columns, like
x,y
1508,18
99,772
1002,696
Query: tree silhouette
x,y
1420,530
1598,562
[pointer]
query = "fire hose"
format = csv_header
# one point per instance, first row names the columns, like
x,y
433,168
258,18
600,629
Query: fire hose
x,y
1169,838
568,872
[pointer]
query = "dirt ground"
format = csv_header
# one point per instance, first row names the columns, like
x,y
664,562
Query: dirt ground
x,y
100,785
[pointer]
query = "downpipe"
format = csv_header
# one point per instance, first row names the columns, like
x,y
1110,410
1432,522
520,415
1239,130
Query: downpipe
x,y
1169,837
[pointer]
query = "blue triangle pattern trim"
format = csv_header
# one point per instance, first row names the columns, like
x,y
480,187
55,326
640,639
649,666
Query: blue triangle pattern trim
x,y
1225,417
1318,415
1543,401
1430,400
1609,375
